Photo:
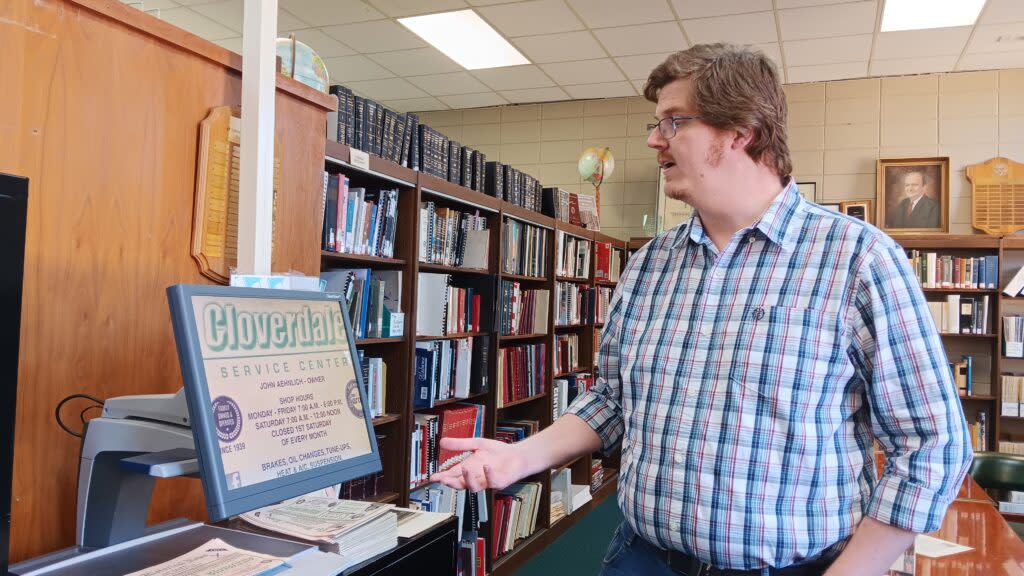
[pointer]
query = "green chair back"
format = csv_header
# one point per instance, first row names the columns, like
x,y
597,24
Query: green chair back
x,y
996,471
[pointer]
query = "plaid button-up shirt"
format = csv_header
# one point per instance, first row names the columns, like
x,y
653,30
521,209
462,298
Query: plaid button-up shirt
x,y
746,387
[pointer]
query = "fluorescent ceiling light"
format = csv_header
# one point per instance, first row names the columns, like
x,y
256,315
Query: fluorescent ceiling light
x,y
923,14
466,38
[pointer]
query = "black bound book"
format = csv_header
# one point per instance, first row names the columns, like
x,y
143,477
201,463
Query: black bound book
x,y
494,179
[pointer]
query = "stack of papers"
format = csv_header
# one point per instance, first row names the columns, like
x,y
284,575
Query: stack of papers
x,y
413,522
217,558
352,529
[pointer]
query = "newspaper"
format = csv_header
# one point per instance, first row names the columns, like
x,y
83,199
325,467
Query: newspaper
x,y
315,518
215,558
413,522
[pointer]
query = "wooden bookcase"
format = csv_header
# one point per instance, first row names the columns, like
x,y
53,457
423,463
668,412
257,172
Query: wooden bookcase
x,y
396,426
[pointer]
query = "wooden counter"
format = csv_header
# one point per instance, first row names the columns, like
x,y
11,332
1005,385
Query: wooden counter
x,y
997,549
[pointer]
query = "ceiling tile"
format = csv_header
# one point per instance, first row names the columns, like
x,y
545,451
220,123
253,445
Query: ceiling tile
x,y
639,85
583,71
1002,11
559,47
820,73
920,65
387,89
997,38
233,44
287,21
400,8
827,50
828,21
606,13
739,29
486,2
773,51
323,44
418,61
228,14
473,100
415,104
780,4
642,39
514,77
531,18
347,69
602,90
447,84
535,95
921,43
376,36
991,61
705,8
639,67
330,12
196,23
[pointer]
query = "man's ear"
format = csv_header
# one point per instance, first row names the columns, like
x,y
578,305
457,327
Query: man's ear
x,y
742,138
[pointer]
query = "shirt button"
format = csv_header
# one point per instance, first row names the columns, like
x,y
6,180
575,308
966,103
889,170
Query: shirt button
x,y
679,458
750,239
705,331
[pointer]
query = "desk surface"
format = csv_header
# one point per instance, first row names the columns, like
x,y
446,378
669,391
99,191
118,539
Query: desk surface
x,y
997,549
970,491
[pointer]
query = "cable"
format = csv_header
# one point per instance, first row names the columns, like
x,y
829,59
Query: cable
x,y
56,411
81,415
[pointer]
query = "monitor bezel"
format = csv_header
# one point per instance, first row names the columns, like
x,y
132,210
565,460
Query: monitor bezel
x,y
222,502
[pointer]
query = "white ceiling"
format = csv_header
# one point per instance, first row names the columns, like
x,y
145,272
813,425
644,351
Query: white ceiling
x,y
605,48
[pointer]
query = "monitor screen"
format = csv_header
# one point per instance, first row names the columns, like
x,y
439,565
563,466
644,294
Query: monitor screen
x,y
274,392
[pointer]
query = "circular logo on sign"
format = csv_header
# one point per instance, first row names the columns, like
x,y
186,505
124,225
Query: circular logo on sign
x,y
227,418
352,396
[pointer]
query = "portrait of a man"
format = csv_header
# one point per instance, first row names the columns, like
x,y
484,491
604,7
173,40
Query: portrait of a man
x,y
913,195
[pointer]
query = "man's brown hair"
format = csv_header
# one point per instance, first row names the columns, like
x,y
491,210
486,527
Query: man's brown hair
x,y
732,87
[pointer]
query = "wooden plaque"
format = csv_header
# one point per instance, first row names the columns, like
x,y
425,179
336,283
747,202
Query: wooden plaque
x,y
997,196
215,214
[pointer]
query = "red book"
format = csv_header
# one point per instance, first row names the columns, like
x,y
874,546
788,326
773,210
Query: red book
x,y
476,313
574,209
458,421
480,557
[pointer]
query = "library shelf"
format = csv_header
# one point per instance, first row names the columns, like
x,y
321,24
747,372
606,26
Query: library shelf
x,y
422,338
340,156
385,497
598,324
511,210
570,326
961,335
515,337
959,290
343,258
386,419
378,341
979,397
470,398
575,279
425,267
523,278
571,372
606,283
432,186
523,400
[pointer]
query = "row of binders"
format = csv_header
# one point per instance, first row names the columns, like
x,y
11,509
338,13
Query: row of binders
x,y
576,209
446,369
1013,336
374,300
566,497
566,388
443,308
947,271
572,256
567,353
575,304
515,516
358,220
959,314
979,432
1013,395
522,311
375,376
367,125
963,374
521,372
512,431
452,421
524,247
452,238
607,262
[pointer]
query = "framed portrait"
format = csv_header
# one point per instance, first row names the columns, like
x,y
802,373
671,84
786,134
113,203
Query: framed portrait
x,y
859,209
808,190
912,195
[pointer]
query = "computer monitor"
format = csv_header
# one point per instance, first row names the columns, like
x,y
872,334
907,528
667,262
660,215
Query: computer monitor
x,y
274,392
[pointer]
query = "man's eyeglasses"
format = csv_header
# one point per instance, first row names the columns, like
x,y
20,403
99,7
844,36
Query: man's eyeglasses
x,y
667,126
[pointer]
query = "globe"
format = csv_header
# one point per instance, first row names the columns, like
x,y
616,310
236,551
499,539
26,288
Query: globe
x,y
309,68
596,164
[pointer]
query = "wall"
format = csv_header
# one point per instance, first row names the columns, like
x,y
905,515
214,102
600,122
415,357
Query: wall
x,y
837,130
100,108
546,140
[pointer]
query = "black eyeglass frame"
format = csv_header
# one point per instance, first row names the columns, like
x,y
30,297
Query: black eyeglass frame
x,y
672,126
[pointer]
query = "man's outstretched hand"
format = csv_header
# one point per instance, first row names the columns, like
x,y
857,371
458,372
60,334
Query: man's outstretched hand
x,y
493,464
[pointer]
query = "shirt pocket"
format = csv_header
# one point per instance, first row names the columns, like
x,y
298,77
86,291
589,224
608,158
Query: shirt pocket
x,y
781,358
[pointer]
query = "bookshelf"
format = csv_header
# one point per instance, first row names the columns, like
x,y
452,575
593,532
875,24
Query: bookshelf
x,y
396,425
983,348
1008,428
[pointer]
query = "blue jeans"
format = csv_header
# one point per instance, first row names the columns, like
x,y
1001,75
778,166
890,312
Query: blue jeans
x,y
629,554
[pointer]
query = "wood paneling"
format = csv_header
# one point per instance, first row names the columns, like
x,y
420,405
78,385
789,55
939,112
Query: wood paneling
x,y
100,110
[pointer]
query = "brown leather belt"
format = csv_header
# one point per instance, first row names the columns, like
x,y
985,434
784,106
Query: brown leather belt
x,y
686,565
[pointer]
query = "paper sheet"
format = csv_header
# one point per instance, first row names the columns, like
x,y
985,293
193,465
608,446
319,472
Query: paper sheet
x,y
930,547
215,558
